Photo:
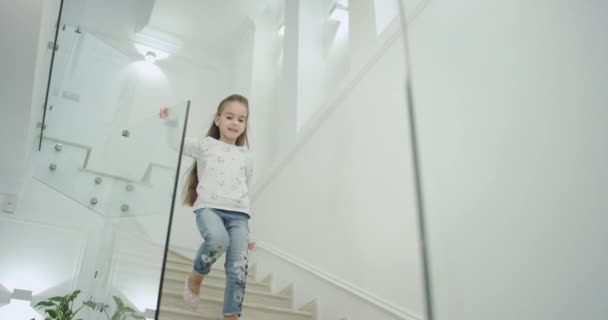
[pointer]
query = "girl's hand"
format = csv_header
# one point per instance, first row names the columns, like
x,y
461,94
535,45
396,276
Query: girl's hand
x,y
251,246
164,112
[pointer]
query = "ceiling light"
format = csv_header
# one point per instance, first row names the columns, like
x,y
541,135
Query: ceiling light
x,y
338,12
150,57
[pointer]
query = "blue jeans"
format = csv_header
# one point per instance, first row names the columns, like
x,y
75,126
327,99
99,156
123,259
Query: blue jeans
x,y
225,231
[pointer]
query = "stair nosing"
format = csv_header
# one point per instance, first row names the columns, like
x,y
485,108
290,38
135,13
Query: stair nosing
x,y
189,264
250,291
218,277
247,305
173,309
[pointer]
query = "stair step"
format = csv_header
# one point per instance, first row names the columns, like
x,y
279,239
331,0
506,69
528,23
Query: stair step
x,y
209,306
216,270
132,263
127,269
187,266
177,256
217,292
173,313
174,279
177,259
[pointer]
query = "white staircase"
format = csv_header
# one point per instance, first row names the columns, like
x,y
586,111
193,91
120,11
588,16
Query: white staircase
x,y
260,302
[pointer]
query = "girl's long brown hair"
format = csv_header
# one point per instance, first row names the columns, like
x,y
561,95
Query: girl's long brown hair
x,y
190,194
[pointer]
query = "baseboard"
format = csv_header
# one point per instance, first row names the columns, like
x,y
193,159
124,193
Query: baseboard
x,y
348,287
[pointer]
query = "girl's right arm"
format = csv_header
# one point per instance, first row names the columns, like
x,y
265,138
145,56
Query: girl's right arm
x,y
193,147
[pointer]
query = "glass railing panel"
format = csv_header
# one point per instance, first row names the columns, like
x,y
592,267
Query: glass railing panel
x,y
66,167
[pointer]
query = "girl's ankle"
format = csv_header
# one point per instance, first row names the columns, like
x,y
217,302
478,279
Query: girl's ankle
x,y
195,278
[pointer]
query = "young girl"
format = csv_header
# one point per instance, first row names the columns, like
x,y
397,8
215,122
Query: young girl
x,y
218,190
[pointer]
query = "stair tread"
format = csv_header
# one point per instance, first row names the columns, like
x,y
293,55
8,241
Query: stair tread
x,y
210,275
176,310
177,258
189,265
245,305
249,291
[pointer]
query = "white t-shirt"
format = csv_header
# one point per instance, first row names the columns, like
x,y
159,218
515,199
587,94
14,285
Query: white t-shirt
x,y
224,174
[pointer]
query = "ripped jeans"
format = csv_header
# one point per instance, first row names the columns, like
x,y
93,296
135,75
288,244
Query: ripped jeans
x,y
225,231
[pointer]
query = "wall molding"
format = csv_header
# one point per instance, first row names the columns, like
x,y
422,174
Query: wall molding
x,y
340,283
414,12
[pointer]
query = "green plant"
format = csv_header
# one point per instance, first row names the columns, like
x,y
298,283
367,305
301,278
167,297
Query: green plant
x,y
123,312
61,308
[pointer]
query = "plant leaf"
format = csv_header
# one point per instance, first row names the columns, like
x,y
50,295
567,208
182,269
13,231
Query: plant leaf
x,y
119,302
52,313
138,316
90,304
44,304
128,309
73,295
58,299
116,316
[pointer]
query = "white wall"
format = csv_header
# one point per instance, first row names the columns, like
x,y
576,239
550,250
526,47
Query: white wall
x,y
344,203
511,100
52,244
264,93
242,60
21,28
312,16
31,259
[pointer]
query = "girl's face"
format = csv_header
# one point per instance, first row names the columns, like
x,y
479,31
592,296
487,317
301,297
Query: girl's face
x,y
232,121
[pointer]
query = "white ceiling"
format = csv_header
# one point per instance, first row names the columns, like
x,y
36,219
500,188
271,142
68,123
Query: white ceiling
x,y
208,26
209,22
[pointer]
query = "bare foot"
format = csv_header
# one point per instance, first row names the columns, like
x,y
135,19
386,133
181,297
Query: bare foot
x,y
194,283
